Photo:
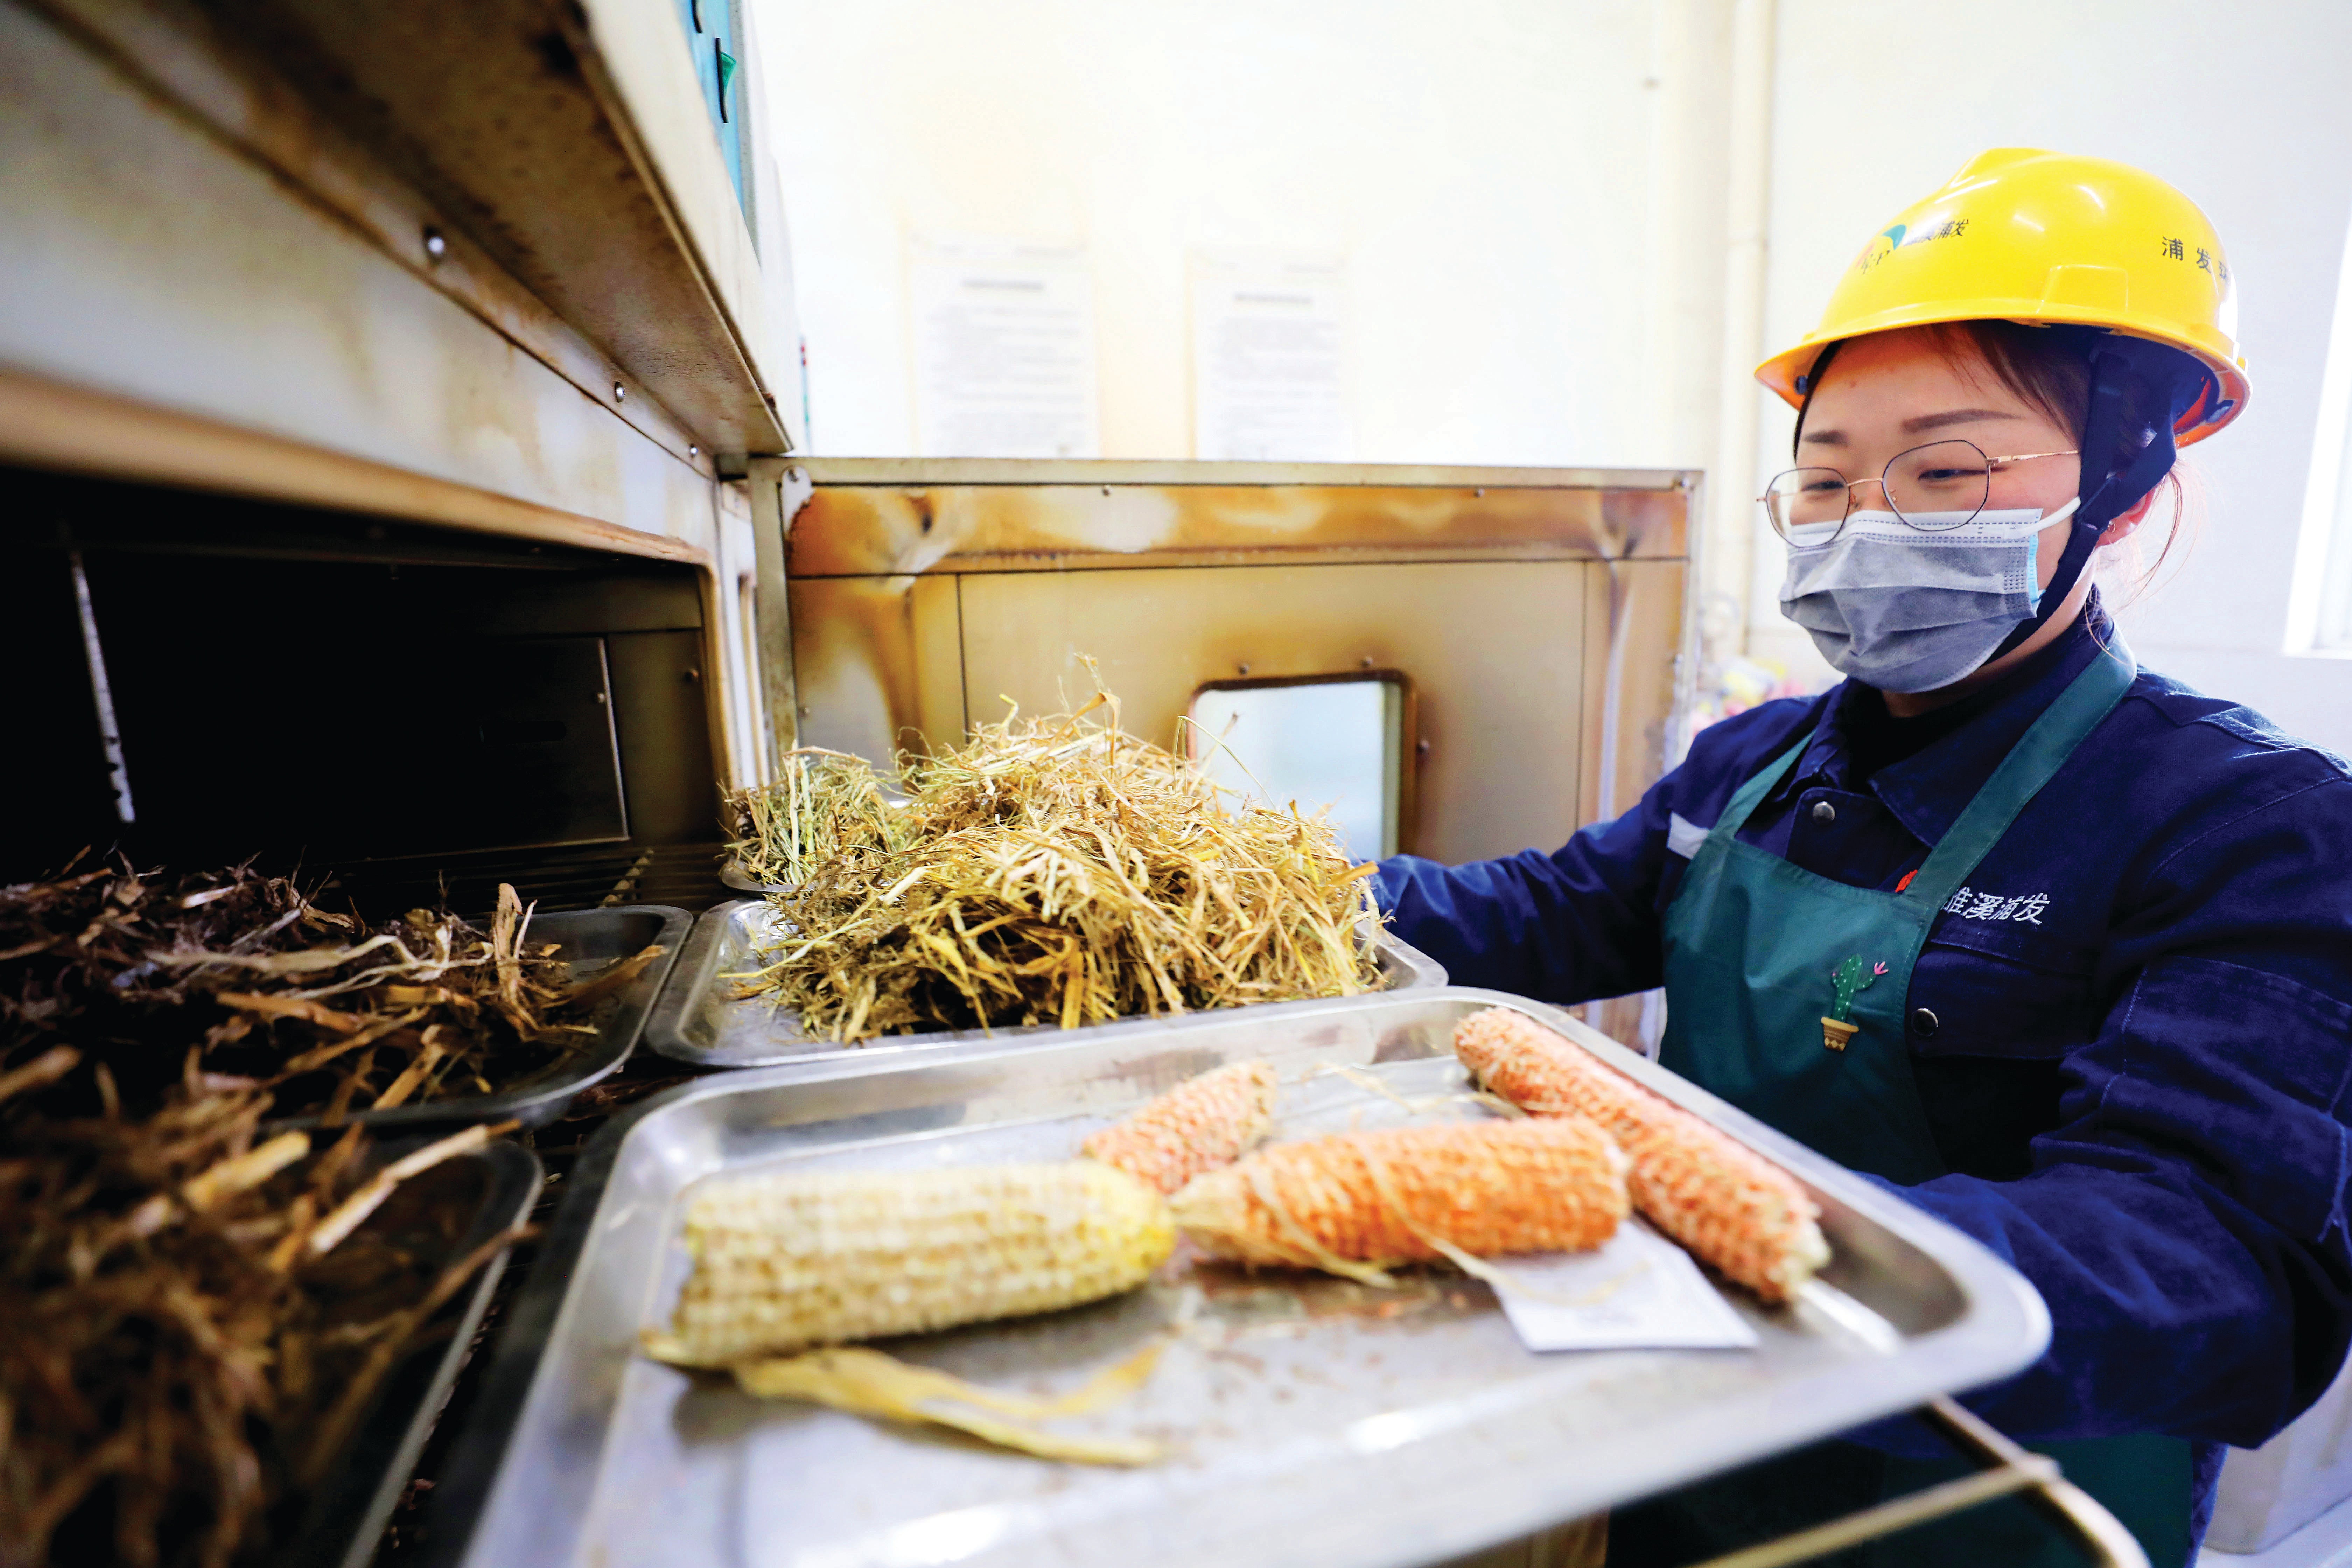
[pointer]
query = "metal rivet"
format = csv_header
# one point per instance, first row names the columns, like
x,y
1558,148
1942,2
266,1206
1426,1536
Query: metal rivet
x,y
1245,669
1824,812
620,393
1366,661
1480,492
693,676
692,451
436,246
1421,747
1924,1023
1105,490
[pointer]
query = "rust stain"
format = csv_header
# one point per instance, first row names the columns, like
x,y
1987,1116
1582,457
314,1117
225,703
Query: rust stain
x,y
861,530
1491,612
841,629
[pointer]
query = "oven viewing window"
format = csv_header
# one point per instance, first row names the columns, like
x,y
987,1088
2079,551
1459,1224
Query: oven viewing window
x,y
1328,741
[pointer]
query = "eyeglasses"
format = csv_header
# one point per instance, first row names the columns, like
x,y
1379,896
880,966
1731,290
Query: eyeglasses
x,y
1942,485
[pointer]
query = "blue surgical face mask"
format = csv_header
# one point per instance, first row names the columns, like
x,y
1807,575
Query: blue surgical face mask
x,y
1910,608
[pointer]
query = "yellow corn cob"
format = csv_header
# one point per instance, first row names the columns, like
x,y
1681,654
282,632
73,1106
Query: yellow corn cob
x,y
1197,1126
781,1262
1480,1187
1728,1205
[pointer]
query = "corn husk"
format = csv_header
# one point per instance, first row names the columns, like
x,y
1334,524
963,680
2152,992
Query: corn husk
x,y
867,1382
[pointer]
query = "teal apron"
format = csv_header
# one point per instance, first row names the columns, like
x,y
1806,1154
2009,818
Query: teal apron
x,y
1754,945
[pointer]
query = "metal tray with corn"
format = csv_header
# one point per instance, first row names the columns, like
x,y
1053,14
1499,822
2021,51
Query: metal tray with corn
x,y
1385,1426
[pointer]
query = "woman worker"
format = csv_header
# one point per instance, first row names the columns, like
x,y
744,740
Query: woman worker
x,y
2108,919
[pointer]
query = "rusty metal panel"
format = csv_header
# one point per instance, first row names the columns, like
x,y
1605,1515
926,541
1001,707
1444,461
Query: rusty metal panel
x,y
1633,641
1493,654
935,613
877,663
862,530
1532,618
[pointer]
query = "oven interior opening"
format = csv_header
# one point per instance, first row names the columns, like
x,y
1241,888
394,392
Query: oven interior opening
x,y
395,708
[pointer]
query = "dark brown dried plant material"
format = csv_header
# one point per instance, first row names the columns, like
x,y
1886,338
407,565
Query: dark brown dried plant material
x,y
236,981
188,1347
1060,871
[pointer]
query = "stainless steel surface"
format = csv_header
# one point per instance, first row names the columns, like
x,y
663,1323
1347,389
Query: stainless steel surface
x,y
588,938
281,219
736,878
346,1516
560,153
699,1020
1312,1420
1535,622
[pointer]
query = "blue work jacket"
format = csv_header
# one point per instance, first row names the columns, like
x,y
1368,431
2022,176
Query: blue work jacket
x,y
2132,1029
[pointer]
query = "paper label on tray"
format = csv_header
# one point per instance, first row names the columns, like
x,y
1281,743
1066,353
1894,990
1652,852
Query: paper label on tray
x,y
1639,1292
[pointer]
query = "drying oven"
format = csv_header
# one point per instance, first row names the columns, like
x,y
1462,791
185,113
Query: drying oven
x,y
378,390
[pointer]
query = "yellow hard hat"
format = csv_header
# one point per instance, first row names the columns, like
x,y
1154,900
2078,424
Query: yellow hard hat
x,y
2039,237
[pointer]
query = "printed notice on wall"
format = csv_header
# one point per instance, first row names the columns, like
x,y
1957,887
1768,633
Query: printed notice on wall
x,y
1004,351
1269,360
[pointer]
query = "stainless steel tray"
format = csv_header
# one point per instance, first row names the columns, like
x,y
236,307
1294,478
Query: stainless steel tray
x,y
590,939
346,1515
1315,1421
735,876
696,1020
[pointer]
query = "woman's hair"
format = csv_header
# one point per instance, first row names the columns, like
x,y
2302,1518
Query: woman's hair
x,y
2049,369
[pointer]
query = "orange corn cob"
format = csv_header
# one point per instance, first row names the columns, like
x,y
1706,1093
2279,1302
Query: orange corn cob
x,y
1197,1126
1482,1187
1728,1205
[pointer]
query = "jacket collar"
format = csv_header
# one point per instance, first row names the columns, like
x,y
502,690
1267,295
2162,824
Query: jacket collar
x,y
1926,790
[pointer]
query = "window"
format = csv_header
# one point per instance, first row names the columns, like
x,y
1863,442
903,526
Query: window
x,y
2319,602
1321,742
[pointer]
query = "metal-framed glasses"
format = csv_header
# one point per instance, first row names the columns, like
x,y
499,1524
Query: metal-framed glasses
x,y
1941,485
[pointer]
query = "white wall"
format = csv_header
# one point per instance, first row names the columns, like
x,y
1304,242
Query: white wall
x,y
1530,199
1491,173
2242,105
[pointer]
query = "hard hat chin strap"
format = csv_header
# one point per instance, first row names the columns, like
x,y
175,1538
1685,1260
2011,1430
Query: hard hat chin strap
x,y
2109,489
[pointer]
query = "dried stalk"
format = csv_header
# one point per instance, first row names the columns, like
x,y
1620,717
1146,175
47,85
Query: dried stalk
x,y
826,804
1060,871
276,994
189,1346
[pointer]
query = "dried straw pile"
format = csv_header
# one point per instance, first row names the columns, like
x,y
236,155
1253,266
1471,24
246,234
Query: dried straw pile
x,y
826,804
198,1315
233,980
199,1308
1060,871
